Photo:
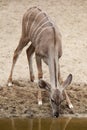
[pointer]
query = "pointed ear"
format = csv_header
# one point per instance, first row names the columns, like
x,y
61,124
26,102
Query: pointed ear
x,y
67,81
44,85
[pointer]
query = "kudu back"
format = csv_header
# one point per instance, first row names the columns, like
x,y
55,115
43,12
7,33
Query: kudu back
x,y
45,39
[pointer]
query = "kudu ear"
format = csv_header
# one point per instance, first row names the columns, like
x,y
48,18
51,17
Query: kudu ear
x,y
67,81
44,85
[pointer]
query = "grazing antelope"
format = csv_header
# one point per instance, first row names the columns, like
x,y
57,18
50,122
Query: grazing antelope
x,y
45,39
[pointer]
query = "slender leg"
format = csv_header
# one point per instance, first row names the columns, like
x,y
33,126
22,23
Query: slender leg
x,y
39,66
30,52
68,100
23,42
40,75
65,93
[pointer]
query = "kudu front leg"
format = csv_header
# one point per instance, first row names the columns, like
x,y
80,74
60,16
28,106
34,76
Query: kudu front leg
x,y
40,75
68,100
65,92
30,52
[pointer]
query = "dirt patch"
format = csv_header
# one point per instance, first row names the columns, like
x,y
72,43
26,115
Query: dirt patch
x,y
21,101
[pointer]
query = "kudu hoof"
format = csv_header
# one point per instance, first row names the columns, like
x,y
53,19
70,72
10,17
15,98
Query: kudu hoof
x,y
9,84
39,102
71,106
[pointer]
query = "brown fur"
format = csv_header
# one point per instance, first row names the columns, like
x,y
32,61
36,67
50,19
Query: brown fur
x,y
45,39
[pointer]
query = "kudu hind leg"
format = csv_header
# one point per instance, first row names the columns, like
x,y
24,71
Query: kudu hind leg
x,y
40,75
30,52
22,44
12,68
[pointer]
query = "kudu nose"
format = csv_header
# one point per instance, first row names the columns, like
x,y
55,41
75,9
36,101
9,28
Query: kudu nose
x,y
56,114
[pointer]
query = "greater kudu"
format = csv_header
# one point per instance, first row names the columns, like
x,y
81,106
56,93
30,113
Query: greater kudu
x,y
45,39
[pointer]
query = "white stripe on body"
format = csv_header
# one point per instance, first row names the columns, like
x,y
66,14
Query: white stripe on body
x,y
39,24
36,40
41,27
35,34
34,22
32,11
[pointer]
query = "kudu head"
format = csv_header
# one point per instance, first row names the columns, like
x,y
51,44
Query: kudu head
x,y
56,95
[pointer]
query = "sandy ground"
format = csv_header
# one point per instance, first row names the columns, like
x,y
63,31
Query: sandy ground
x,y
71,18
